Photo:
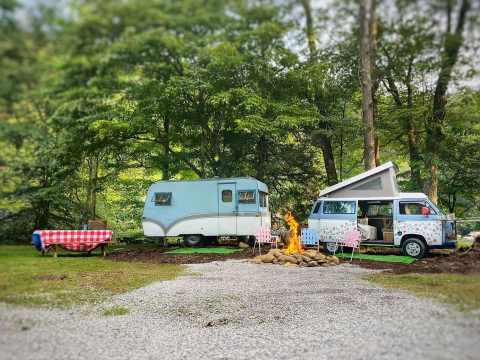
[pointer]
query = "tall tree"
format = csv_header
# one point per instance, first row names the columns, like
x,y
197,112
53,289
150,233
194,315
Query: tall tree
x,y
323,137
366,13
453,40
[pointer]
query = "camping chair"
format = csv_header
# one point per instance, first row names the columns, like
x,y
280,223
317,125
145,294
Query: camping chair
x,y
264,236
310,237
352,240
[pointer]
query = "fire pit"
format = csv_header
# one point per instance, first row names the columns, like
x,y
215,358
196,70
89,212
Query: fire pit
x,y
294,254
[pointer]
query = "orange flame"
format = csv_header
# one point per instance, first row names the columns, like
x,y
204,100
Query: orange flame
x,y
294,245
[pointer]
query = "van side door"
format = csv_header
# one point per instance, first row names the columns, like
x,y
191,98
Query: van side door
x,y
337,217
227,208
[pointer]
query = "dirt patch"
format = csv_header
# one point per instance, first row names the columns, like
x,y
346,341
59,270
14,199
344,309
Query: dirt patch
x,y
51,277
158,256
455,263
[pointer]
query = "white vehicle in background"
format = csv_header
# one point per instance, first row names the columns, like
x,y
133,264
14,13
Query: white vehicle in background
x,y
195,209
371,203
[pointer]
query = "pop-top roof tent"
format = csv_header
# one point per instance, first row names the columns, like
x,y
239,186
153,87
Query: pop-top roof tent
x,y
380,182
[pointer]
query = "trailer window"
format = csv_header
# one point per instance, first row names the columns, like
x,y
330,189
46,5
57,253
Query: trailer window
x,y
227,195
263,199
339,207
317,207
246,197
163,198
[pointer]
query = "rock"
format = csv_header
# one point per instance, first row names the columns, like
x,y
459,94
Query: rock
x,y
312,263
288,259
319,256
310,253
275,261
335,259
243,245
275,252
267,258
257,260
298,257
305,258
302,263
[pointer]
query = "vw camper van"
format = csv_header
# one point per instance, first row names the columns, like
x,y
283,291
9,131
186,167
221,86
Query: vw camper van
x,y
371,203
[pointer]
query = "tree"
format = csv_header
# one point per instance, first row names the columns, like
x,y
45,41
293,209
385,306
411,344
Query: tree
x,y
453,40
318,99
366,17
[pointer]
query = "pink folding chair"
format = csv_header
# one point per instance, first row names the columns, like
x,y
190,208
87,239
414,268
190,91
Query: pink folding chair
x,y
352,240
264,236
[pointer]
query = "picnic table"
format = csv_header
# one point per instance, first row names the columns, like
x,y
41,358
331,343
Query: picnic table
x,y
74,240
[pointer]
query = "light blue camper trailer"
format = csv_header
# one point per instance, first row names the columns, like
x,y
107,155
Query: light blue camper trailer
x,y
195,209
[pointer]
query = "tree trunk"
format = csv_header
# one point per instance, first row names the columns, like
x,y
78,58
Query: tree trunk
x,y
366,66
451,47
325,140
262,157
166,149
92,187
413,149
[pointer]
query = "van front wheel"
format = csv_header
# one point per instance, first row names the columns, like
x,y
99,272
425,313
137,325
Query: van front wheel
x,y
192,240
414,247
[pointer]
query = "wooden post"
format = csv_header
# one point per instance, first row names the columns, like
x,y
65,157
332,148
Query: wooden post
x,y
104,252
55,251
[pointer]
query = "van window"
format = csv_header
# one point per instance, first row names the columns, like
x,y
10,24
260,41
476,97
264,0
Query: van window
x,y
263,198
246,197
317,207
163,198
339,207
414,208
227,195
379,210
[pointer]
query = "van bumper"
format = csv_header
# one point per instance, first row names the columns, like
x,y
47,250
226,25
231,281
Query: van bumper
x,y
446,245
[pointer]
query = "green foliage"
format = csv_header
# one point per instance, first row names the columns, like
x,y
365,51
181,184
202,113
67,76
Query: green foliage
x,y
96,105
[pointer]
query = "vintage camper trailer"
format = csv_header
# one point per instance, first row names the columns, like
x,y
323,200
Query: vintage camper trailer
x,y
372,203
195,209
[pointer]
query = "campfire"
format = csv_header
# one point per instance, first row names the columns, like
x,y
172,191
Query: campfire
x,y
294,254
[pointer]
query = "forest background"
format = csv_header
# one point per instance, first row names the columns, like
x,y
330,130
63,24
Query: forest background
x,y
100,98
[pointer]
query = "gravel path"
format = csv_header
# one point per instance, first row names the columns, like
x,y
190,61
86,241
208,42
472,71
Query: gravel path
x,y
238,310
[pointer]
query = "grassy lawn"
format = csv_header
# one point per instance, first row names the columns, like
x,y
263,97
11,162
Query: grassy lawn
x,y
461,290
27,278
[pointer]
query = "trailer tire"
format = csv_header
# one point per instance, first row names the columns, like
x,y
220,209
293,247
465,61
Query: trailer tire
x,y
414,247
192,240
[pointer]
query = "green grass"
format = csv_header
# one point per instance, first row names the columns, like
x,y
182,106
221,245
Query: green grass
x,y
461,290
27,278
116,311
464,244
375,257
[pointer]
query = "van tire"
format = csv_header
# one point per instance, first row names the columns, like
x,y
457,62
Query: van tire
x,y
192,240
414,247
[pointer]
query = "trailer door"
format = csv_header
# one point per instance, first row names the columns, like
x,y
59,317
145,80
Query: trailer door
x,y
227,209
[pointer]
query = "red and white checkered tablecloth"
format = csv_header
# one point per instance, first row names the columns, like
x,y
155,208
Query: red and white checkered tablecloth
x,y
75,240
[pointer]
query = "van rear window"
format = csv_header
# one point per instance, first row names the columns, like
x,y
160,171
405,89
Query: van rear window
x,y
339,207
163,198
317,207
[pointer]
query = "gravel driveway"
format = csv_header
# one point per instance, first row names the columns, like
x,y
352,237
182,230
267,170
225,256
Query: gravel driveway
x,y
238,310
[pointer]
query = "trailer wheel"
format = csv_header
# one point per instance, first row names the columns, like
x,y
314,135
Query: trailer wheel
x,y
330,247
414,247
192,240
